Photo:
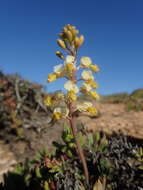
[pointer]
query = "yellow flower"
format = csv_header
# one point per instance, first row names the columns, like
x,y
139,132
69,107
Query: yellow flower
x,y
52,77
58,70
69,64
87,107
94,68
87,75
60,113
70,86
92,83
64,70
59,96
92,110
85,88
57,114
94,94
84,106
69,67
69,59
87,104
85,62
71,95
48,101
80,107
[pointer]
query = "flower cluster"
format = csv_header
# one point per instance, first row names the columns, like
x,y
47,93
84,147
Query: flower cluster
x,y
70,42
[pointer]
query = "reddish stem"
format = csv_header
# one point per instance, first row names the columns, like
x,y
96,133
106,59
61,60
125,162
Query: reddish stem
x,y
79,148
73,125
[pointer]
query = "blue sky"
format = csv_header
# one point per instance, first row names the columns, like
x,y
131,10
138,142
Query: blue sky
x,y
113,31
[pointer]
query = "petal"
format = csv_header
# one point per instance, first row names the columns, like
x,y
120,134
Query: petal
x,y
85,62
87,75
58,109
58,68
85,87
69,85
52,77
94,68
69,59
94,94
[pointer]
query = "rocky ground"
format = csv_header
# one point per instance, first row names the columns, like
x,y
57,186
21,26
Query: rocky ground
x,y
7,159
113,118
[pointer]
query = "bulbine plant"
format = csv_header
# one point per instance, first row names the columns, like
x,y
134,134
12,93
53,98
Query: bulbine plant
x,y
80,79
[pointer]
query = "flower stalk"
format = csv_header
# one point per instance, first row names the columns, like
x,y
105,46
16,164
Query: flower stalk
x,y
70,42
72,122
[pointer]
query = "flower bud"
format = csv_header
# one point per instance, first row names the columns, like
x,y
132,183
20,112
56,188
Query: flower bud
x,y
76,42
81,39
59,54
74,32
73,27
61,43
69,35
61,35
65,29
69,27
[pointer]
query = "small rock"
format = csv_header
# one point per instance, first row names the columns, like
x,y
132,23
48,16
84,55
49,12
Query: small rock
x,y
115,114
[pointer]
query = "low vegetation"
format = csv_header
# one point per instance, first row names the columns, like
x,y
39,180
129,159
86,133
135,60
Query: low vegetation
x,y
114,163
133,101
20,101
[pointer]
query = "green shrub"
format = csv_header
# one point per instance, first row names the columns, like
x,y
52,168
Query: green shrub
x,y
137,94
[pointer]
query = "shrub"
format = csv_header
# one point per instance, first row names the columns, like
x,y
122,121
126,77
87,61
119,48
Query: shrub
x,y
137,94
133,105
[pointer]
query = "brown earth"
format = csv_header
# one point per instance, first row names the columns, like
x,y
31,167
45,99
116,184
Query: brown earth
x,y
112,119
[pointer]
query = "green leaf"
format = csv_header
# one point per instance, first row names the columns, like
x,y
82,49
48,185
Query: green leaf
x,y
38,173
90,139
46,186
97,137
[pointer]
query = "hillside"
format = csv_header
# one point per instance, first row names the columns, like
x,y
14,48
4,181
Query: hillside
x,y
24,123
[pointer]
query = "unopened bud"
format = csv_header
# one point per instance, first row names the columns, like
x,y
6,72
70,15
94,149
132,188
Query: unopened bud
x,y
69,35
69,27
76,42
74,32
73,27
61,35
81,39
59,54
61,43
65,29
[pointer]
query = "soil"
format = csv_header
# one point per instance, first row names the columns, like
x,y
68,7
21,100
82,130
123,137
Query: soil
x,y
113,118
